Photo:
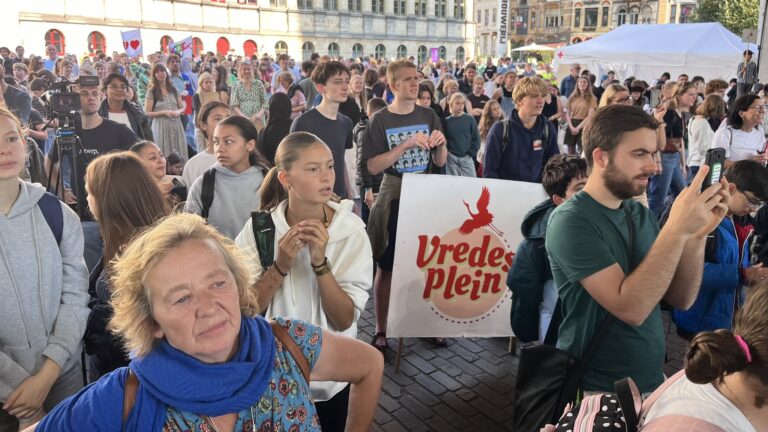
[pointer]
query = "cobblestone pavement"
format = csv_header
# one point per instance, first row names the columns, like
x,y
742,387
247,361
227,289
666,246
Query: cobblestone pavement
x,y
466,386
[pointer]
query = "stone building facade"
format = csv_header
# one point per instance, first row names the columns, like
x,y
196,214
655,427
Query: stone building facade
x,y
346,28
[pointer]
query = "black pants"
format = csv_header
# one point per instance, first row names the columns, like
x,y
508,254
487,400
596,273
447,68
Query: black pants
x,y
333,412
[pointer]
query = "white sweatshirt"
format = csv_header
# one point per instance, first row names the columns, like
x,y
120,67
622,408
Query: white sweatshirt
x,y
351,260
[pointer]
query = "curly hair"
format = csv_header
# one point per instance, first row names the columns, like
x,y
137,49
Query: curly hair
x,y
132,320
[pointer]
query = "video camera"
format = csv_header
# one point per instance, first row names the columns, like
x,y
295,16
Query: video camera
x,y
64,108
63,100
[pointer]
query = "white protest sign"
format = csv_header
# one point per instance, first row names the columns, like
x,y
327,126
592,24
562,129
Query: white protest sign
x,y
132,43
456,240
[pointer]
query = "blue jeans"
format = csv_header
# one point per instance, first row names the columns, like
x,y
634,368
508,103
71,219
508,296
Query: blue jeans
x,y
670,180
692,171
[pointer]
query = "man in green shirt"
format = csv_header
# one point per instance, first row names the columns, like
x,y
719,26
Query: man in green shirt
x,y
603,262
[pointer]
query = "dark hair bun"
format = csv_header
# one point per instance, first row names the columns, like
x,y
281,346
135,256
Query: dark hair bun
x,y
712,355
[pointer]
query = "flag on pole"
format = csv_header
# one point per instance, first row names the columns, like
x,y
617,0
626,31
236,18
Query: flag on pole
x,y
183,48
132,43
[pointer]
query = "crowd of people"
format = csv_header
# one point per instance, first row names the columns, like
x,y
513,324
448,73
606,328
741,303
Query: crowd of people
x,y
234,213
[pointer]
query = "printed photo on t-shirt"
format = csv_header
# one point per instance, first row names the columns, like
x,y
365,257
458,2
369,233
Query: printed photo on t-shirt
x,y
415,160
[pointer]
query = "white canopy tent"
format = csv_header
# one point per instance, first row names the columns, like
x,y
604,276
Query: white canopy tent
x,y
646,51
534,47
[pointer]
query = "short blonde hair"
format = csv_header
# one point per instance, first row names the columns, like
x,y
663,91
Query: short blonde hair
x,y
395,67
457,95
529,86
132,320
204,76
450,83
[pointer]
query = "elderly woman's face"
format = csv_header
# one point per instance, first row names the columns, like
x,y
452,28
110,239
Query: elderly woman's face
x,y
195,302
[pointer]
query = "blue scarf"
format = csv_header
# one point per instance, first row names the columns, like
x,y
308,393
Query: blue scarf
x,y
169,377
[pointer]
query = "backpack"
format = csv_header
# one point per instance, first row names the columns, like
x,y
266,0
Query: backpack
x,y
206,194
53,214
264,234
624,412
505,134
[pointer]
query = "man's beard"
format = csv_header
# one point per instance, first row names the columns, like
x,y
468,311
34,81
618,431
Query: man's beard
x,y
619,185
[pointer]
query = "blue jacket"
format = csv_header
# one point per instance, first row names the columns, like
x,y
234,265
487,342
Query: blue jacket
x,y
520,160
720,284
530,270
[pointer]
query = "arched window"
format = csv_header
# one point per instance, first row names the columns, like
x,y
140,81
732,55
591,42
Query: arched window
x,y
576,40
621,17
56,38
423,53
442,52
197,46
250,48
647,15
381,51
634,15
402,52
96,41
333,50
460,53
222,46
307,50
281,48
165,44
357,50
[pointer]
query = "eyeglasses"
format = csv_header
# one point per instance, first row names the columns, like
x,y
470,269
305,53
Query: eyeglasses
x,y
759,108
752,202
118,87
625,100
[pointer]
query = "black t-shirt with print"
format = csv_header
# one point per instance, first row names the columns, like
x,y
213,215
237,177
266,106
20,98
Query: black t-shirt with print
x,y
105,138
387,130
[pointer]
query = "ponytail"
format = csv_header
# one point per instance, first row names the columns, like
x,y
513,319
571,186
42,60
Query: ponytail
x,y
713,355
272,192
288,152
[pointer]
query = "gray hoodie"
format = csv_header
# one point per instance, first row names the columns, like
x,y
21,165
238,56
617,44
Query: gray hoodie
x,y
44,291
235,196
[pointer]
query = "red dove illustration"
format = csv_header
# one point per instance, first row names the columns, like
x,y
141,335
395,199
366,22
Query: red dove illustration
x,y
482,218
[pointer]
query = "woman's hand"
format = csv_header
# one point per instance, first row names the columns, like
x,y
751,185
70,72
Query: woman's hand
x,y
288,248
659,113
315,235
27,400
165,187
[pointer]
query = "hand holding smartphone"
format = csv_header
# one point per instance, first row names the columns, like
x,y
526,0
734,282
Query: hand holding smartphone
x,y
715,159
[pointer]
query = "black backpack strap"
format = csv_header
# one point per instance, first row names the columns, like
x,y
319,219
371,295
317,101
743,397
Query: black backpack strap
x,y
505,134
206,195
53,214
264,235
630,402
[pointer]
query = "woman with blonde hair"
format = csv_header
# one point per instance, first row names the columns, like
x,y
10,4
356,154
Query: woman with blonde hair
x,y
124,198
294,92
321,267
615,94
581,105
43,285
203,359
206,91
248,96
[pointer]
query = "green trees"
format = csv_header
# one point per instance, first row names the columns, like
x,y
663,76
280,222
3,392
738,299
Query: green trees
x,y
735,15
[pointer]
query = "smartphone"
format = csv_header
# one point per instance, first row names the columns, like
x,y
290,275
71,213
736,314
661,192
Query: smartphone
x,y
716,160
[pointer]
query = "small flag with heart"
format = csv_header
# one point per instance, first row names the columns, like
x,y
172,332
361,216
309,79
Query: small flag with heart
x,y
132,43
